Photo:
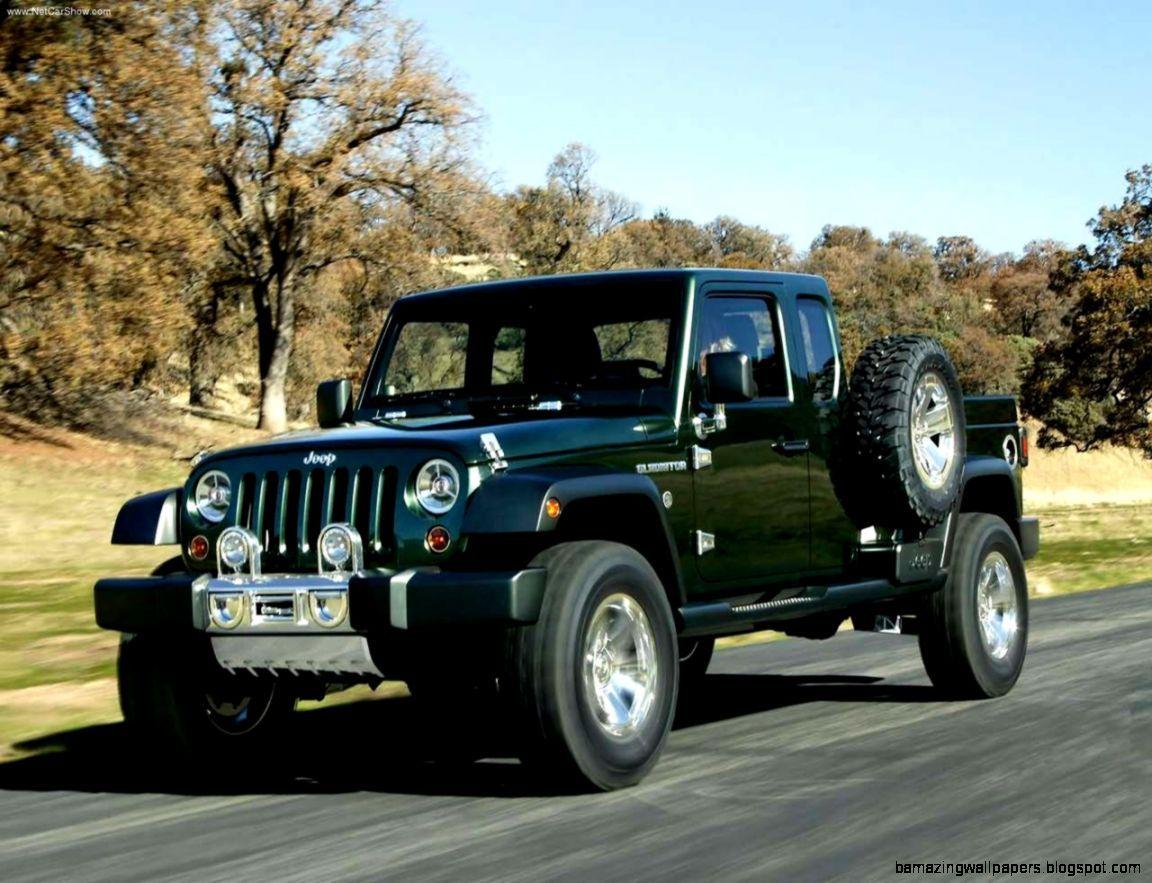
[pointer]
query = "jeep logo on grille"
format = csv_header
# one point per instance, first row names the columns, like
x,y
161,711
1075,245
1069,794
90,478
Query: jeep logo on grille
x,y
314,459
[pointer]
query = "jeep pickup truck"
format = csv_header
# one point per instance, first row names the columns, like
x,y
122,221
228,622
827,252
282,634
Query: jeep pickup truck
x,y
556,493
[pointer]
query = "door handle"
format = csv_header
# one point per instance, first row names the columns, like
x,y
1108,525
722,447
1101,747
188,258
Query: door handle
x,y
793,447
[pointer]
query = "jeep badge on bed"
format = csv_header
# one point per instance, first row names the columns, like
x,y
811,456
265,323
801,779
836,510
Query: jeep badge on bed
x,y
556,493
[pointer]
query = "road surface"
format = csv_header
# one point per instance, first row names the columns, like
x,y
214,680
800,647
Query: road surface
x,y
806,761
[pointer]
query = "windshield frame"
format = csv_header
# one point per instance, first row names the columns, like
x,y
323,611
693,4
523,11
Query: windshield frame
x,y
437,306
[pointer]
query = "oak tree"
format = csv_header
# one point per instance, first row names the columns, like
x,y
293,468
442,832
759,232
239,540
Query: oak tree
x,y
1093,384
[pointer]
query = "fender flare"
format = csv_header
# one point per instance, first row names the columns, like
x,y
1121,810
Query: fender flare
x,y
995,480
149,520
514,503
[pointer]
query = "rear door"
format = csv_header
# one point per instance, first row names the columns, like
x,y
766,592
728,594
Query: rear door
x,y
752,501
822,392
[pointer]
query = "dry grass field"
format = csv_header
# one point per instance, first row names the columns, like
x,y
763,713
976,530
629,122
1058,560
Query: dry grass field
x,y
62,491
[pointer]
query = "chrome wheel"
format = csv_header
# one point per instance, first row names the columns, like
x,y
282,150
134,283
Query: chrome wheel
x,y
235,713
996,606
620,671
933,431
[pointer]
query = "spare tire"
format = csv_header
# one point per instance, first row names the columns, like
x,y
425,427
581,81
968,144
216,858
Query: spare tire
x,y
904,445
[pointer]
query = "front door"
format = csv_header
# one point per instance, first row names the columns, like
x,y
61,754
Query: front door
x,y
752,502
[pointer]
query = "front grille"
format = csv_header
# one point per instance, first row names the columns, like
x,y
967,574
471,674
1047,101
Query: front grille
x,y
287,510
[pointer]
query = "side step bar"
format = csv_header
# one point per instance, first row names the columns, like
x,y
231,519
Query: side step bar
x,y
749,613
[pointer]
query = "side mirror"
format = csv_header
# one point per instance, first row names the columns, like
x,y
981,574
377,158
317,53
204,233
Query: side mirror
x,y
728,378
334,403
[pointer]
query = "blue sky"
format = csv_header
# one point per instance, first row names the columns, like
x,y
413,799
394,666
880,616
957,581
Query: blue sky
x,y
1006,121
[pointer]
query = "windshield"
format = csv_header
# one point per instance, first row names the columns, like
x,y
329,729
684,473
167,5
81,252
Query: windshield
x,y
546,345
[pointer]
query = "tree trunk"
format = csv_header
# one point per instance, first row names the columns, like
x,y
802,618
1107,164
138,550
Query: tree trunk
x,y
202,351
276,333
273,405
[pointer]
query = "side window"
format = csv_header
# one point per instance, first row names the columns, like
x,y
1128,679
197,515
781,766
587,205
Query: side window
x,y
821,363
747,325
428,355
508,357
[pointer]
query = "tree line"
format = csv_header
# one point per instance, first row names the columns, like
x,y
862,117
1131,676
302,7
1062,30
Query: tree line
x,y
197,193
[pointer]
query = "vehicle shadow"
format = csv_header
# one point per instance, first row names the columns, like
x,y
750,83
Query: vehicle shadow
x,y
388,745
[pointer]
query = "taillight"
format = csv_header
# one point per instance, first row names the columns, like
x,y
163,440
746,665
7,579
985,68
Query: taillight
x,y
1024,446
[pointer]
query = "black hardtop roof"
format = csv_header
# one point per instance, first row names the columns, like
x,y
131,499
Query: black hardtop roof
x,y
576,280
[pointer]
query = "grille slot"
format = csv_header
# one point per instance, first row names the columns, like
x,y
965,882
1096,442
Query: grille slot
x,y
337,508
290,514
362,503
383,535
313,509
266,525
287,510
246,501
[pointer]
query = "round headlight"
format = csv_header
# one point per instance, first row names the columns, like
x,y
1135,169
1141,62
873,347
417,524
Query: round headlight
x,y
437,486
213,496
341,547
233,548
328,608
226,608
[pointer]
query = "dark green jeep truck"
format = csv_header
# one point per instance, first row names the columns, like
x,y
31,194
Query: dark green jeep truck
x,y
554,495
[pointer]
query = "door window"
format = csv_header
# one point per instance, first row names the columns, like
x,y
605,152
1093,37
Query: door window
x,y
748,325
822,363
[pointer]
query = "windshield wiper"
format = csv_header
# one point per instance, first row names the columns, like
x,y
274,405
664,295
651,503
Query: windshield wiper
x,y
551,402
427,403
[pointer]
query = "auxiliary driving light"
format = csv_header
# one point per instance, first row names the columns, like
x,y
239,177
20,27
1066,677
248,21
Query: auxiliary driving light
x,y
237,547
226,609
328,608
234,550
341,547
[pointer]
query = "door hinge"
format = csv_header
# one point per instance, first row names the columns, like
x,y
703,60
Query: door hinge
x,y
705,542
699,458
493,451
706,425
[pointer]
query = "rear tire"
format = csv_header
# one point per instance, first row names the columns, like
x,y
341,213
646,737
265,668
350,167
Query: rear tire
x,y
594,681
974,633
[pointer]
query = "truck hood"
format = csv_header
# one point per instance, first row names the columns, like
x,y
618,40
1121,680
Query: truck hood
x,y
520,437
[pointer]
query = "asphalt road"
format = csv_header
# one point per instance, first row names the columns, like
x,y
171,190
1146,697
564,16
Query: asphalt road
x,y
806,760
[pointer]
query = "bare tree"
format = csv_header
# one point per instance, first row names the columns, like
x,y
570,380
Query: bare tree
x,y
326,112
564,225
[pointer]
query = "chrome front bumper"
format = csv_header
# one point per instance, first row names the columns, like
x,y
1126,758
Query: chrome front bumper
x,y
278,629
280,604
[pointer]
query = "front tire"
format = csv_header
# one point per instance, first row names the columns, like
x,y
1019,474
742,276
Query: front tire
x,y
595,680
975,631
175,696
